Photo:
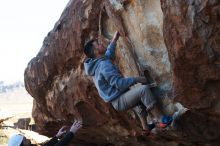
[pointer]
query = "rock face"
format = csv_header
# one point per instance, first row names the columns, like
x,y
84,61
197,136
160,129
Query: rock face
x,y
22,123
176,40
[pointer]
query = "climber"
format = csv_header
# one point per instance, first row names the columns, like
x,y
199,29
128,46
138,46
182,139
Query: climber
x,y
20,140
114,88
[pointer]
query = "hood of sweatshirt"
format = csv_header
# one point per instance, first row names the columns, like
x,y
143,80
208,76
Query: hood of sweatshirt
x,y
91,65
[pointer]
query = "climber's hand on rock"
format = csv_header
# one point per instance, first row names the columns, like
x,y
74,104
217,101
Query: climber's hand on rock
x,y
61,131
76,126
115,37
142,80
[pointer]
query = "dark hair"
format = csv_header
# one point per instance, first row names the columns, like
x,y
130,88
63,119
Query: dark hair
x,y
89,49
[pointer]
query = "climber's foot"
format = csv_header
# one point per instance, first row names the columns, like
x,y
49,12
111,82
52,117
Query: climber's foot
x,y
147,131
165,122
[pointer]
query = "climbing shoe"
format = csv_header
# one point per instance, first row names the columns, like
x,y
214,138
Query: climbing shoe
x,y
165,121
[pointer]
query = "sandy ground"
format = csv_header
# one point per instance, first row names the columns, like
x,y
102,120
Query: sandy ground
x,y
17,104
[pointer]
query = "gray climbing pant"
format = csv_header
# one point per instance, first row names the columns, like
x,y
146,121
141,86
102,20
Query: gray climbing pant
x,y
139,98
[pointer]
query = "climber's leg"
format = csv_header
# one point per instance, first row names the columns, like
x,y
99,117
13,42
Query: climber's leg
x,y
142,114
156,112
132,98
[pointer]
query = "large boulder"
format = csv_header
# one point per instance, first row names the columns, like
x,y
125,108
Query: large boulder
x,y
177,41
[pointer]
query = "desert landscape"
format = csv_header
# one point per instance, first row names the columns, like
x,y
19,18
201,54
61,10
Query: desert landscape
x,y
15,104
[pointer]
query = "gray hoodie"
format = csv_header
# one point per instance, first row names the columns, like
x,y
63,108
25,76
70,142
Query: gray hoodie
x,y
107,78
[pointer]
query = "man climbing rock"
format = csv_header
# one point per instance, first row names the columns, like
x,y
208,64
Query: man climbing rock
x,y
114,88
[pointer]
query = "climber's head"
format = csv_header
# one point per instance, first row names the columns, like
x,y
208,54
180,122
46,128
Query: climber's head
x,y
94,49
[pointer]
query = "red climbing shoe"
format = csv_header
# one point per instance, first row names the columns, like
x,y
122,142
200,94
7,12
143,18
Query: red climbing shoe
x,y
165,121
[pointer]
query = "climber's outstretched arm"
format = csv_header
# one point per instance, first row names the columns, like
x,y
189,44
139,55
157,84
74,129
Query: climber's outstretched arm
x,y
115,37
110,52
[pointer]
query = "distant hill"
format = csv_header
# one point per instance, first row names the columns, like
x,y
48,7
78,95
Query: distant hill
x,y
13,92
14,101
5,87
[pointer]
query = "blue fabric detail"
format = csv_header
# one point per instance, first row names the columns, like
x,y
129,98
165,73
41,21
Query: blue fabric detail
x,y
166,119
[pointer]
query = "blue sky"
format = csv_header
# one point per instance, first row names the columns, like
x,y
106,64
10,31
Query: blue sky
x,y
23,26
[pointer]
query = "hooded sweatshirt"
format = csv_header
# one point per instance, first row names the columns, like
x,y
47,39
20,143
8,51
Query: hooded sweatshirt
x,y
106,76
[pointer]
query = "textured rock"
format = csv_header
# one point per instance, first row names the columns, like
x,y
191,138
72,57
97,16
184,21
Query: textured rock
x,y
192,33
191,30
22,123
188,65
